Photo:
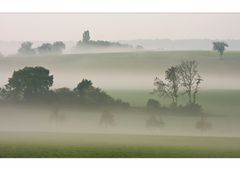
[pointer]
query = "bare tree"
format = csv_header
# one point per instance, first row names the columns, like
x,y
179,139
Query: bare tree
x,y
190,79
171,87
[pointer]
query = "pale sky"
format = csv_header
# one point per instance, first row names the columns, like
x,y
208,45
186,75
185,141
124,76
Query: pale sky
x,y
51,27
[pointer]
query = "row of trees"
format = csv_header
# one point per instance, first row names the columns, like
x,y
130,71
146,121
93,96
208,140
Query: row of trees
x,y
46,48
32,84
179,80
86,42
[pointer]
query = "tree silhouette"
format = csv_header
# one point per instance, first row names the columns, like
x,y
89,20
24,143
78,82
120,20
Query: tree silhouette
x,y
86,36
30,82
171,87
190,79
219,47
58,47
26,49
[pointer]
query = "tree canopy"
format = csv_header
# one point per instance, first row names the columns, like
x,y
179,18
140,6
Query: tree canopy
x,y
219,47
29,83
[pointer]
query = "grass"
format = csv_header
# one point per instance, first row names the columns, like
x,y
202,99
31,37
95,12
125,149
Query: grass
x,y
49,145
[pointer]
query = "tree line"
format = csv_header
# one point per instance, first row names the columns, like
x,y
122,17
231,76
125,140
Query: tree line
x,y
46,48
86,42
32,84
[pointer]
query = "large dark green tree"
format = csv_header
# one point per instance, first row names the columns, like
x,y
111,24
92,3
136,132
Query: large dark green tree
x,y
29,83
219,47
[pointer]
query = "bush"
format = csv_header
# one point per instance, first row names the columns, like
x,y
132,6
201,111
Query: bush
x,y
153,105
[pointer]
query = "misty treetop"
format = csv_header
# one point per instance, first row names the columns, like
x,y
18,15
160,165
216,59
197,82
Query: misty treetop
x,y
88,43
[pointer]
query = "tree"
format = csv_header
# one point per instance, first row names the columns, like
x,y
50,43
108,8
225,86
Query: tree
x,y
219,47
45,48
84,87
190,79
26,49
29,83
58,47
171,88
85,36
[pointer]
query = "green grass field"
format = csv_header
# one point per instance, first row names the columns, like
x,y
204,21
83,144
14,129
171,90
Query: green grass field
x,y
117,146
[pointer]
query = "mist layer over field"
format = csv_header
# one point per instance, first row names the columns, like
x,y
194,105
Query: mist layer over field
x,y
129,76
129,70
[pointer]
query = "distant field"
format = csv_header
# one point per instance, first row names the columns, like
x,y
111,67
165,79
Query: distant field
x,y
103,145
128,69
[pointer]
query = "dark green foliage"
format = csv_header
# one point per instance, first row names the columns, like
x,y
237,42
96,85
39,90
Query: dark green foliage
x,y
26,49
33,83
90,95
220,47
28,83
84,87
64,96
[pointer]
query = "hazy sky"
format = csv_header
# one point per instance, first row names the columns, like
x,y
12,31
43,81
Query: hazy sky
x,y
20,27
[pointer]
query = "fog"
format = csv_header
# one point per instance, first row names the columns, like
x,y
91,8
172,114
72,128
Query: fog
x,y
36,119
127,74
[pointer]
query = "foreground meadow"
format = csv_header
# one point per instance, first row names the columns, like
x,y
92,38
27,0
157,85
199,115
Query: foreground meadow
x,y
118,146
